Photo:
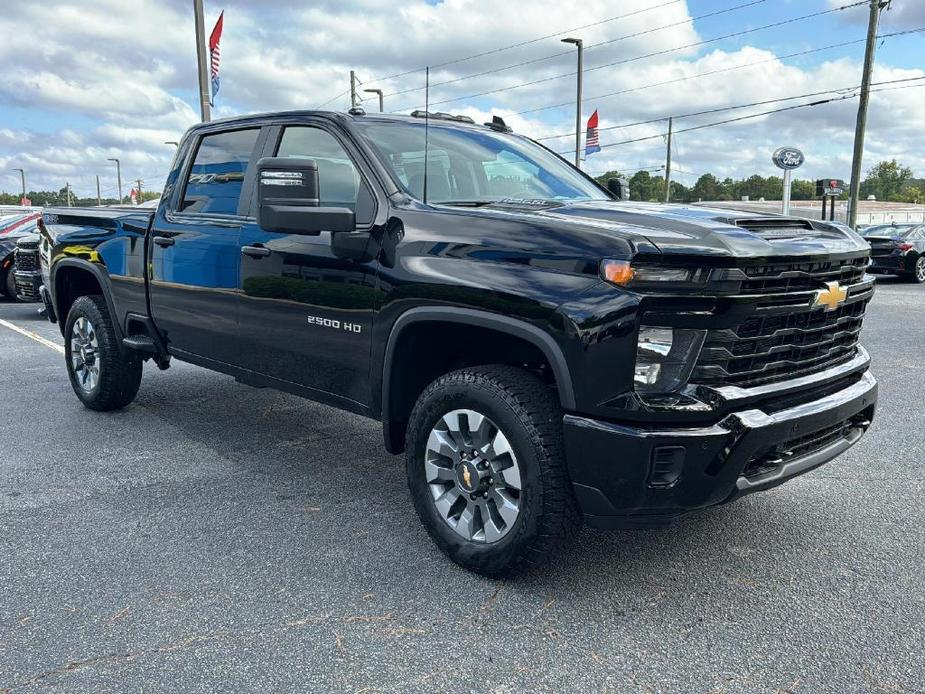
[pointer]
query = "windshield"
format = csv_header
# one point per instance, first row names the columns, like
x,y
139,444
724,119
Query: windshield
x,y
467,165
892,231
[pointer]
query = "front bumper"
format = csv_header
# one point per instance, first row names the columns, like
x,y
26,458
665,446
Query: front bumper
x,y
632,477
27,285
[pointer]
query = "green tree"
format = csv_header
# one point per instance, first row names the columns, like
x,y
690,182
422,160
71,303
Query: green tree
x,y
708,187
886,180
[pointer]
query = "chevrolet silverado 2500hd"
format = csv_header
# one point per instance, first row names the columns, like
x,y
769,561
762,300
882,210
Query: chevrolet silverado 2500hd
x,y
541,350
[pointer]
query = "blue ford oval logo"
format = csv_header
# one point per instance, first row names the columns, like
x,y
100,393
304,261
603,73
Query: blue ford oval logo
x,y
788,158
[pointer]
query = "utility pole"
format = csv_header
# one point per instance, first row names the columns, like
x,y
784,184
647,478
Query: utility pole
x,y
118,176
67,192
668,163
578,43
138,183
99,199
861,127
202,58
353,89
379,92
22,175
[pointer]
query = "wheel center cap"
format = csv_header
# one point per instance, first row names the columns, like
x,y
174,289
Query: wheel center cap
x,y
468,477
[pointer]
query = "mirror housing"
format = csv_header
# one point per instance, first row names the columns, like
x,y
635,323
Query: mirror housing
x,y
288,199
619,187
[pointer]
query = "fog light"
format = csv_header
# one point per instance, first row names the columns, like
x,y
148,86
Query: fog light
x,y
665,358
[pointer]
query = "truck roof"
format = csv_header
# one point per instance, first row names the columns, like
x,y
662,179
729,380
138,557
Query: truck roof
x,y
357,115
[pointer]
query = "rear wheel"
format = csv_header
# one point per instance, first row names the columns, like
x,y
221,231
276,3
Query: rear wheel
x,y
918,270
100,374
486,468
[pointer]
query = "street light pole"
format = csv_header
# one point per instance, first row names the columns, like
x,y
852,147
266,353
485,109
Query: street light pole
x,y
379,92
22,175
202,58
118,176
580,44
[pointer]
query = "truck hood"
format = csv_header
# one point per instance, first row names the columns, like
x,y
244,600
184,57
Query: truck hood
x,y
698,231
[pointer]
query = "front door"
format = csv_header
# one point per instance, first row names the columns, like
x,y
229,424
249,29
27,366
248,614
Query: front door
x,y
194,250
306,308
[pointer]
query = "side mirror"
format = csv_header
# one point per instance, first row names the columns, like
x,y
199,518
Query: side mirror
x,y
287,199
619,187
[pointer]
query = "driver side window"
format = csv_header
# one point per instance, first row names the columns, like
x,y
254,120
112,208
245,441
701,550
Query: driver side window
x,y
339,181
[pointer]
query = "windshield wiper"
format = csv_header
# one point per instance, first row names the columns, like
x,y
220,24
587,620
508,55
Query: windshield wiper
x,y
465,203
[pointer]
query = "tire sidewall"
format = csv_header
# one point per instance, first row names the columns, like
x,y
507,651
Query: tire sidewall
x,y
487,558
84,308
9,285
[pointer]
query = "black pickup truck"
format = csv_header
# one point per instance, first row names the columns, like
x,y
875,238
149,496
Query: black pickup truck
x,y
541,350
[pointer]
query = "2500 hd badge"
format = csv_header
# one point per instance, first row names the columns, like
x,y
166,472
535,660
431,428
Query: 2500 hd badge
x,y
335,324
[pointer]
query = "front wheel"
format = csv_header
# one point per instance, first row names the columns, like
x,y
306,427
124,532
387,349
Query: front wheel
x,y
9,285
100,374
486,468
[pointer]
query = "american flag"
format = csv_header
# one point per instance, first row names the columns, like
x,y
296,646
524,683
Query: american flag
x,y
215,55
592,139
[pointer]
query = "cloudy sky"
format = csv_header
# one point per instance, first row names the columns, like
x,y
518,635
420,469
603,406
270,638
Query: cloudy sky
x,y
106,78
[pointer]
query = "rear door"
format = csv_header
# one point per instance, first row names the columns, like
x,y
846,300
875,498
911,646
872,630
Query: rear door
x,y
306,304
194,249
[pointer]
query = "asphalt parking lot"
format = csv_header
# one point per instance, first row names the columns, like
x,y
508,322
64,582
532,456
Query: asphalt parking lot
x,y
213,537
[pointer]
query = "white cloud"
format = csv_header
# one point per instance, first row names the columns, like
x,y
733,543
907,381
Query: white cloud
x,y
122,76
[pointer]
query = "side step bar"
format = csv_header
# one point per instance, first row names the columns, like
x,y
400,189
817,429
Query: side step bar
x,y
140,343
147,344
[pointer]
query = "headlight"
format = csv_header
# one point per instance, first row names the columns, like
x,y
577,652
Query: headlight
x,y
622,273
665,358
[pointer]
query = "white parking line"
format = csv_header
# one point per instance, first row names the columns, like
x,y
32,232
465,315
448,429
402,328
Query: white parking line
x,y
28,333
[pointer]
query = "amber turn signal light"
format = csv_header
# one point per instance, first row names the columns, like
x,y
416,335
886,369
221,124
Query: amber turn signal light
x,y
617,271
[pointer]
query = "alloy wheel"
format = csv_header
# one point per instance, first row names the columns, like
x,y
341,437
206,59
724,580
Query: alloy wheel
x,y
473,475
920,269
85,354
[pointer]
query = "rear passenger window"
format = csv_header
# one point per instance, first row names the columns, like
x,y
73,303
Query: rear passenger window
x,y
215,179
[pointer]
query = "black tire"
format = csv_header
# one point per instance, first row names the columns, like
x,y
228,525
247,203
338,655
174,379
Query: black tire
x,y
119,375
9,284
528,413
918,270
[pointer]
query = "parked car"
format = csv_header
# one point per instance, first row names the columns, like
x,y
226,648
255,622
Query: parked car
x,y
898,249
12,228
539,349
27,269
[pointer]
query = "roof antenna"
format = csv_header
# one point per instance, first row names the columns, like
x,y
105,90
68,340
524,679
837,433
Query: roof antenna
x,y
426,120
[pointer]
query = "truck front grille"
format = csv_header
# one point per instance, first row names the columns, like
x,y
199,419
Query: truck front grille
x,y
27,261
785,337
795,277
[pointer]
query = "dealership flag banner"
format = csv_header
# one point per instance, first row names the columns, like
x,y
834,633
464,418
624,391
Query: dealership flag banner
x,y
215,55
592,140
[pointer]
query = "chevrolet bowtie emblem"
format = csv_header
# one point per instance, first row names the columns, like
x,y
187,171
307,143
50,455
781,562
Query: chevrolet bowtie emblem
x,y
833,296
467,477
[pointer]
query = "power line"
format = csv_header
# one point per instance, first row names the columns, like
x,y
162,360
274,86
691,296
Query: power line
x,y
588,47
718,71
747,117
525,43
651,55
730,108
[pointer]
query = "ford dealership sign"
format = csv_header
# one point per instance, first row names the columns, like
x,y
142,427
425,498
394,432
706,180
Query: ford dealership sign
x,y
788,158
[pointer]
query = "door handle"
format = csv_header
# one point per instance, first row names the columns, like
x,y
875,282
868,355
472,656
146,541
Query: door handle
x,y
164,241
255,251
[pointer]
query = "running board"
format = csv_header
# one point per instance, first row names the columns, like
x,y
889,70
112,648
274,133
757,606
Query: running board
x,y
140,343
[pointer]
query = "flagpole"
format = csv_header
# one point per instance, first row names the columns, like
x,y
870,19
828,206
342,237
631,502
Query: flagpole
x,y
202,59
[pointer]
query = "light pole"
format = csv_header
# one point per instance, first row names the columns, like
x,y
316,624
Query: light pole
x,y
580,45
202,60
118,176
379,92
22,175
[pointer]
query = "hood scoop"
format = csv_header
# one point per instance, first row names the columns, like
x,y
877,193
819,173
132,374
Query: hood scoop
x,y
778,228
